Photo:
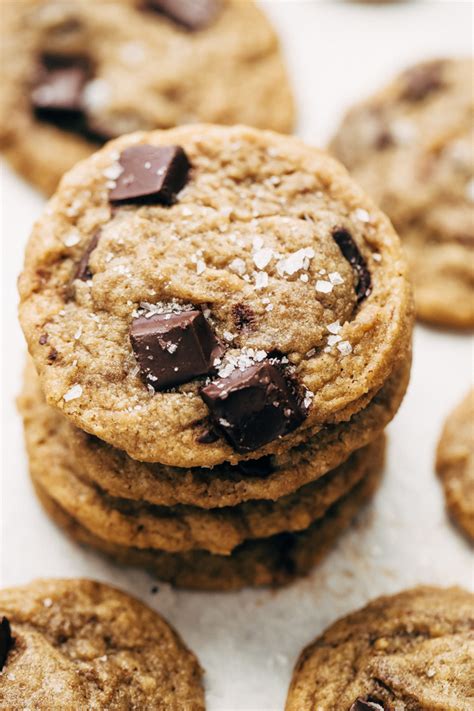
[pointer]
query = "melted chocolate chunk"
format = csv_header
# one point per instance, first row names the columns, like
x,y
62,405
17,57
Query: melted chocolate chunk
x,y
6,641
43,339
174,348
361,704
257,467
350,251
192,14
254,406
151,174
83,271
57,93
421,81
244,317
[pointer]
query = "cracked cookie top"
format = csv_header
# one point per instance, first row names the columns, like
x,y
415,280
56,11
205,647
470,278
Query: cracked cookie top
x,y
209,294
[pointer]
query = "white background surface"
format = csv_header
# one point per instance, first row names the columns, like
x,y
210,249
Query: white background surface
x,y
247,642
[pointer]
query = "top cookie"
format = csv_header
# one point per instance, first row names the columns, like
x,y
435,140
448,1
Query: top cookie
x,y
411,146
74,74
407,652
75,644
455,464
209,294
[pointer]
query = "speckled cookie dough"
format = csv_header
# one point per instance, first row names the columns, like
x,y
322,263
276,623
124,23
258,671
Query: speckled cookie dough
x,y
455,464
78,644
271,561
248,249
182,528
75,74
269,478
413,650
411,146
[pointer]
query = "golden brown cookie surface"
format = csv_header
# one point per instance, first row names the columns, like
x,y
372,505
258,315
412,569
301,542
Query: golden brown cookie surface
x,y
455,464
75,74
82,644
411,146
413,650
289,278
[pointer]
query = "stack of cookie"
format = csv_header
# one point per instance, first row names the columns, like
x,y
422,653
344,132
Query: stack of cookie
x,y
220,324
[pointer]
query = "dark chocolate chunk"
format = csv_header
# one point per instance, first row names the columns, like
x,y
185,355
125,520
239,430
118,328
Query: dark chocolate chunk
x,y
244,317
151,174
6,641
361,704
422,80
52,355
351,252
254,406
58,90
192,14
83,271
174,348
256,467
43,339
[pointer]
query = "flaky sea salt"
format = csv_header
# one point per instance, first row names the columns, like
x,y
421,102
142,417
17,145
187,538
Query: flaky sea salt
x,y
262,257
200,266
344,347
335,278
333,339
361,214
113,171
237,266
96,94
295,262
334,327
261,280
71,239
73,393
325,287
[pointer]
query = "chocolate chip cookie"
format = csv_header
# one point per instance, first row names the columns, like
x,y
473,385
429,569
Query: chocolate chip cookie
x,y
210,294
414,650
455,464
273,561
267,478
78,73
411,146
77,644
122,520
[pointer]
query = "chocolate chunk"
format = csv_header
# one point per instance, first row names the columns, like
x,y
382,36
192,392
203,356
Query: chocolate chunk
x,y
422,80
351,252
174,348
58,90
6,641
254,406
361,704
192,14
43,339
83,271
256,467
383,140
151,174
244,317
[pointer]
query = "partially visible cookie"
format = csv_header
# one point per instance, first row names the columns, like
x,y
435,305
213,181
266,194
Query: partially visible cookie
x,y
269,478
77,644
180,528
75,74
408,652
411,146
271,561
455,464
